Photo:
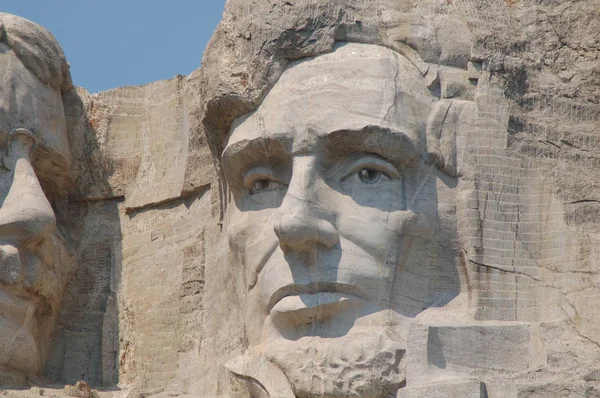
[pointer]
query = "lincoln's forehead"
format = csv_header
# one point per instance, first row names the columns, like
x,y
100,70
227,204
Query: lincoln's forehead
x,y
357,85
351,66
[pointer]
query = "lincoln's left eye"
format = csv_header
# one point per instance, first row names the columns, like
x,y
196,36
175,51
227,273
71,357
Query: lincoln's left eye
x,y
369,176
368,169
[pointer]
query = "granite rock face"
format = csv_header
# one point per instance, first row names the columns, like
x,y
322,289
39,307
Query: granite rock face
x,y
348,199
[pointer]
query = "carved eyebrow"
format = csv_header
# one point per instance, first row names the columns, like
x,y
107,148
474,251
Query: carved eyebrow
x,y
394,145
241,154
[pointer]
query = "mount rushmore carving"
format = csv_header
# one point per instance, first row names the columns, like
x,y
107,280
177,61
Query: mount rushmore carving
x,y
347,199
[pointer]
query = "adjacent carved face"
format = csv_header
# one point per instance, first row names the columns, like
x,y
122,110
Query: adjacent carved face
x,y
334,205
33,258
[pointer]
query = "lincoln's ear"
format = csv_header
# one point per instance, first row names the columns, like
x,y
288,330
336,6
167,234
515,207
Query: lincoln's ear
x,y
442,131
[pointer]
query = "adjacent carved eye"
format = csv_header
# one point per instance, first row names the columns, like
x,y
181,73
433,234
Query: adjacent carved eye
x,y
370,169
261,179
261,186
369,176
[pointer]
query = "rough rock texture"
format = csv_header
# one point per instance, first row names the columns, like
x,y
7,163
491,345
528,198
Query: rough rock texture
x,y
140,249
159,299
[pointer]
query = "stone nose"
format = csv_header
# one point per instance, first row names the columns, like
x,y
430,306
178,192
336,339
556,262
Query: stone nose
x,y
26,215
304,223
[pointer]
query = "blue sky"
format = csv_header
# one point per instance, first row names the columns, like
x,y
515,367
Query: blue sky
x,y
112,43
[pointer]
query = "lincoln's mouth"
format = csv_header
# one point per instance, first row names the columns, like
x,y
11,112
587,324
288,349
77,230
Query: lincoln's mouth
x,y
311,293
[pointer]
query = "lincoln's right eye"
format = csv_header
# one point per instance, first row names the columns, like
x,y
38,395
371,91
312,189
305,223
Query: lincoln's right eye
x,y
260,180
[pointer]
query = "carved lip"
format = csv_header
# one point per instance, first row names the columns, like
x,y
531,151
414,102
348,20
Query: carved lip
x,y
314,288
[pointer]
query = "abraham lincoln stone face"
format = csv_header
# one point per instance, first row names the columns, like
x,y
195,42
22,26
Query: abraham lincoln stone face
x,y
33,258
335,203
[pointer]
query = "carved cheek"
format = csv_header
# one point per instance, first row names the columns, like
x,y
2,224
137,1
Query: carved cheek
x,y
368,228
244,227
251,239
384,235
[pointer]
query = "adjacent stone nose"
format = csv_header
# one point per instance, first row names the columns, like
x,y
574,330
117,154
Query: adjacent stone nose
x,y
26,215
304,223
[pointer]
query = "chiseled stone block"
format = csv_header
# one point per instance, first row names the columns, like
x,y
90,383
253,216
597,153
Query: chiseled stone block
x,y
497,347
461,388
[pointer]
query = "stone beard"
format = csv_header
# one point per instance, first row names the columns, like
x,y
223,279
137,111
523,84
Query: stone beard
x,y
334,211
34,261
